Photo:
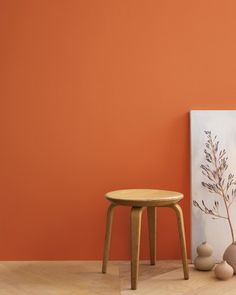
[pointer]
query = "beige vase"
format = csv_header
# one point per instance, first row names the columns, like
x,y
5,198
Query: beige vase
x,y
204,260
224,271
204,250
230,256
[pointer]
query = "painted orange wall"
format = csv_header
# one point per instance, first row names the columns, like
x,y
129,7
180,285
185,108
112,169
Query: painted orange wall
x,y
95,96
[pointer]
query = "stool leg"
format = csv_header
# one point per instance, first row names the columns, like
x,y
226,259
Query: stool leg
x,y
179,214
107,237
152,233
136,214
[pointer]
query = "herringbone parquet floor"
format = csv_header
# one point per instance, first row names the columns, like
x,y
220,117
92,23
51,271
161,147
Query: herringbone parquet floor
x,y
85,278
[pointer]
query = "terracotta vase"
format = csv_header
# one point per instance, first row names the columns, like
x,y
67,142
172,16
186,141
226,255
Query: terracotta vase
x,y
204,260
230,256
224,271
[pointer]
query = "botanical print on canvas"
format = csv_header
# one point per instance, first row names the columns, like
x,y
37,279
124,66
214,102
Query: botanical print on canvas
x,y
213,164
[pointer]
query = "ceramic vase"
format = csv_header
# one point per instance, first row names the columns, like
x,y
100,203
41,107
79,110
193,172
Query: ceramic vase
x,y
204,260
230,256
224,271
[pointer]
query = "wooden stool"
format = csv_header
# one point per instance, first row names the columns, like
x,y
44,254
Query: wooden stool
x,y
138,199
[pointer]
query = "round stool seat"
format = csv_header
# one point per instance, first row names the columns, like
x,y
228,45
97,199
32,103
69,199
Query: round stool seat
x,y
144,197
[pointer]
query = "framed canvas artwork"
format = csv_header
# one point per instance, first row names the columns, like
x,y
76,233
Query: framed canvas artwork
x,y
213,179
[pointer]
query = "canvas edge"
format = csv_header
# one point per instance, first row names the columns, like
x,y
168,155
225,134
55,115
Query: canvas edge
x,y
191,114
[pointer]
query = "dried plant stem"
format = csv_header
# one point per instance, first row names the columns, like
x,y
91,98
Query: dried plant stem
x,y
229,219
222,191
218,181
209,212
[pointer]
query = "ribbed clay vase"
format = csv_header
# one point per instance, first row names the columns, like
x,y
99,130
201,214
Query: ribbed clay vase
x,y
224,271
230,256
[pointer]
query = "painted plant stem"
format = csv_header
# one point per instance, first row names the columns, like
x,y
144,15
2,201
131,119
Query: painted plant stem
x,y
218,183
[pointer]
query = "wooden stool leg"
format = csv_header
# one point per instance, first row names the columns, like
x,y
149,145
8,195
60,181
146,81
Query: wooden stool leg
x,y
107,237
136,214
179,214
152,233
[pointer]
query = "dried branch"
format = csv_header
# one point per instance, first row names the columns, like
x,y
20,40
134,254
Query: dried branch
x,y
218,183
207,210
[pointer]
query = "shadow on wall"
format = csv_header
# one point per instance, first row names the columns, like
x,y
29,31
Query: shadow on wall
x,y
199,231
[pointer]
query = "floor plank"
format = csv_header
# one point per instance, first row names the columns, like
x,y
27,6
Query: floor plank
x,y
85,278
58,278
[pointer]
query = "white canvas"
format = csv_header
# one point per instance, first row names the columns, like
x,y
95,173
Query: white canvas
x,y
208,227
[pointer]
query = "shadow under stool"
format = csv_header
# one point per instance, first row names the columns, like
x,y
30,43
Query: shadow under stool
x,y
138,199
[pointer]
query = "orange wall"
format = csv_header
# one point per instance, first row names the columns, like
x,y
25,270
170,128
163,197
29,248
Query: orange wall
x,y
95,96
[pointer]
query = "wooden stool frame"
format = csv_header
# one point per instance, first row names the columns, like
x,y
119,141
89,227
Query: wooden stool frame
x,y
135,228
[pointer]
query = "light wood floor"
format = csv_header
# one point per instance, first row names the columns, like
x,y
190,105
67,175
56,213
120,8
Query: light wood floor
x,y
85,278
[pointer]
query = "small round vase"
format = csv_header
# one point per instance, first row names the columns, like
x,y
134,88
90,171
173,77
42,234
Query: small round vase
x,y
204,261
230,256
224,271
204,250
